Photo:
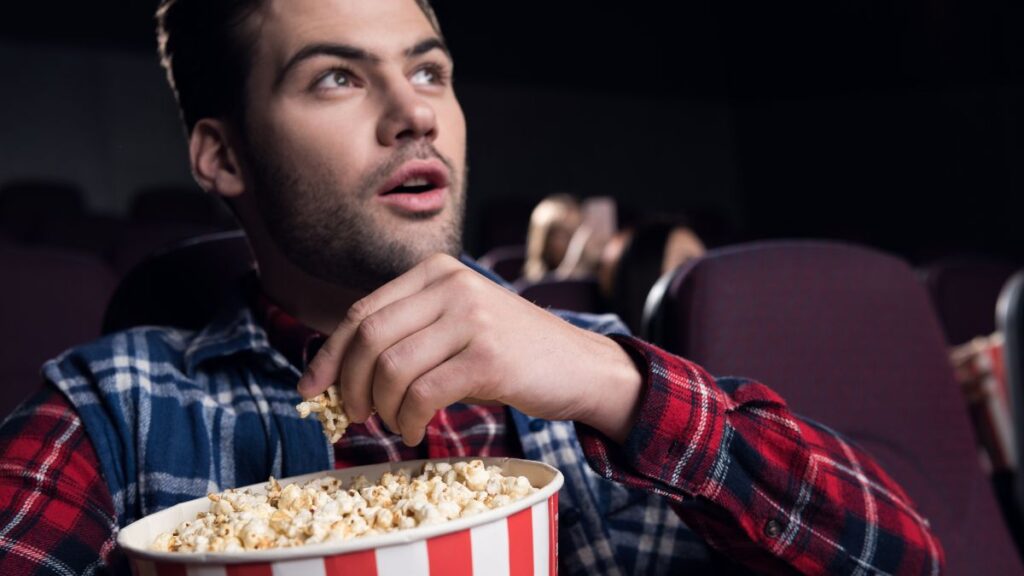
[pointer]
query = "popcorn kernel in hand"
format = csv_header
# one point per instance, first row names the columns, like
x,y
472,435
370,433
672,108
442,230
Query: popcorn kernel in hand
x,y
328,408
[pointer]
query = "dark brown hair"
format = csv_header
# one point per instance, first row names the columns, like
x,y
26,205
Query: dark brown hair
x,y
207,54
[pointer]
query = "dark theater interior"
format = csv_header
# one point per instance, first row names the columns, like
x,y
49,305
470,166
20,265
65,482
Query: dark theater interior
x,y
852,174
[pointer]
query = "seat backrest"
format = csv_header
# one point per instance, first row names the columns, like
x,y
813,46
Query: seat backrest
x,y
99,235
27,205
848,337
138,241
574,295
1010,321
183,286
505,261
964,292
50,300
180,205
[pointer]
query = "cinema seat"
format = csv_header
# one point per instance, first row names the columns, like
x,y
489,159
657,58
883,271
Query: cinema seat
x,y
848,337
182,286
50,300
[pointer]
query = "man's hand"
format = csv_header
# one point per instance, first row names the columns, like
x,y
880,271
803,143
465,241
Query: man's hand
x,y
442,333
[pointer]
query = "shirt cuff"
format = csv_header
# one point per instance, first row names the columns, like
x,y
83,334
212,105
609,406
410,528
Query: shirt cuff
x,y
677,437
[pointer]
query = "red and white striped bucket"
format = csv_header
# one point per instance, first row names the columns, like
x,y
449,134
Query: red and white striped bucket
x,y
517,540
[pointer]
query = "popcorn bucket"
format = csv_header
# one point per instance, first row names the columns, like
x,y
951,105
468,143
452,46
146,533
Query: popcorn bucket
x,y
518,539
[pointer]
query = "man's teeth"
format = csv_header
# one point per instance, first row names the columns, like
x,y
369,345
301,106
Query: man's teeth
x,y
413,186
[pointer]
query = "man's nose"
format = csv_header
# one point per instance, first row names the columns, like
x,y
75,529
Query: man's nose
x,y
407,116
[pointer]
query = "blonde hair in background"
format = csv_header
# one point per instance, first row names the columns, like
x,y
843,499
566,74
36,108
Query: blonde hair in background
x,y
552,224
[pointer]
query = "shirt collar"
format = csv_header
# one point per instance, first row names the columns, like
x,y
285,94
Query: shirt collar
x,y
238,329
296,341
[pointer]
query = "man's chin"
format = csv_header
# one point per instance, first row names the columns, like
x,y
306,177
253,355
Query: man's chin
x,y
377,264
422,235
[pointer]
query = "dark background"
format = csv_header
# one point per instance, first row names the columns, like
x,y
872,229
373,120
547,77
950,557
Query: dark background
x,y
897,123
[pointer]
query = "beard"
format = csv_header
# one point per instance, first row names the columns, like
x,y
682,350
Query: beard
x,y
332,234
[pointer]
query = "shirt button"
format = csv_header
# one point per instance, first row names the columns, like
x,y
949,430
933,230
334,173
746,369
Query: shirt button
x,y
772,528
537,425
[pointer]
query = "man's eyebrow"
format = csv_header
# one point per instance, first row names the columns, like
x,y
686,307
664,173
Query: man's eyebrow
x,y
424,46
325,49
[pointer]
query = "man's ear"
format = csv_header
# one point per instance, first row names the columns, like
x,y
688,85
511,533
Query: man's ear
x,y
215,160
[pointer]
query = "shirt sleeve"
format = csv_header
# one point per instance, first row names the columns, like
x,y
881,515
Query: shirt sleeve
x,y
56,513
773,492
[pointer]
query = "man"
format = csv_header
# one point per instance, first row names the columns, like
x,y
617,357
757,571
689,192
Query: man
x,y
332,129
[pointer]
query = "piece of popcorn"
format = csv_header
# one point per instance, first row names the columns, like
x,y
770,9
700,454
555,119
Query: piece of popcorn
x,y
357,524
376,495
476,476
493,486
498,501
450,510
256,534
165,541
406,522
328,408
384,520
522,487
472,508
359,482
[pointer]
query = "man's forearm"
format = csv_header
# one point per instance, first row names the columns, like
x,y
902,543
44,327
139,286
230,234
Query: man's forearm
x,y
754,480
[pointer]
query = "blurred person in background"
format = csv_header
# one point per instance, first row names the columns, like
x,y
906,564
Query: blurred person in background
x,y
598,225
553,223
634,260
332,129
566,237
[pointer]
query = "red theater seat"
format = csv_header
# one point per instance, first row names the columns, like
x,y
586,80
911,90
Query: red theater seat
x,y
27,206
964,292
572,295
50,300
848,337
505,261
1010,318
175,204
183,286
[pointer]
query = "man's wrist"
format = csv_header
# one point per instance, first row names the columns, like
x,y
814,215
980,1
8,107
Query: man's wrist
x,y
614,401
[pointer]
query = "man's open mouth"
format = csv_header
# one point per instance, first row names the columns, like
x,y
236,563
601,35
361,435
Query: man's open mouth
x,y
418,188
413,186
416,177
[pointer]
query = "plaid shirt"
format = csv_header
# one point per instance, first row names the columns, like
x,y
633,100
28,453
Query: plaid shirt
x,y
758,485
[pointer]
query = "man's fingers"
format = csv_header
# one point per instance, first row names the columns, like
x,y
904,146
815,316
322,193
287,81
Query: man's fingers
x,y
324,369
410,358
441,387
376,334
321,371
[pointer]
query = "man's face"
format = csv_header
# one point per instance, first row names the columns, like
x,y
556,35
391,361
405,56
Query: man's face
x,y
354,138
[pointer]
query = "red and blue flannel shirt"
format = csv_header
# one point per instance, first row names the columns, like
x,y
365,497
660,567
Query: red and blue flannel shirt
x,y
715,475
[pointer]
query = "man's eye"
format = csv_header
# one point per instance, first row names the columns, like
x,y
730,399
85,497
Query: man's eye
x,y
334,79
429,76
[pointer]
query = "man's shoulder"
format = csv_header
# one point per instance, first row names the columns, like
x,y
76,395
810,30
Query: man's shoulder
x,y
141,346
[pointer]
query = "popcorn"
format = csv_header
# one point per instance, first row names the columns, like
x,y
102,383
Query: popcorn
x,y
328,409
323,510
